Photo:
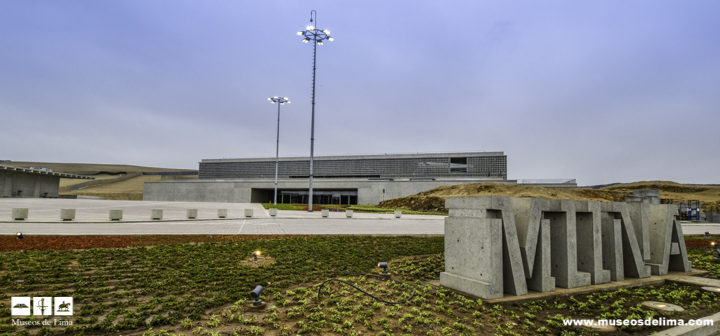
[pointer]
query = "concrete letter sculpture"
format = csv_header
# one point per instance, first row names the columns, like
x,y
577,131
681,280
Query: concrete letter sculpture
x,y
496,245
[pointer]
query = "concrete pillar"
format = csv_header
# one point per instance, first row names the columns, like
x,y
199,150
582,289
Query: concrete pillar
x,y
589,241
273,212
7,192
639,215
67,214
222,213
156,214
348,213
36,187
667,241
324,213
116,214
398,213
248,212
20,213
612,246
563,253
634,265
191,213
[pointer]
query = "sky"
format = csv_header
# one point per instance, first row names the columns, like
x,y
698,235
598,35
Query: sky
x,y
600,91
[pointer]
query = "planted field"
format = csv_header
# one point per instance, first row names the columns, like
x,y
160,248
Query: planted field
x,y
203,289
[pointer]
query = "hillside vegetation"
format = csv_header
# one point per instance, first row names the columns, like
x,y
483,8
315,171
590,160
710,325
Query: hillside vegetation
x,y
434,199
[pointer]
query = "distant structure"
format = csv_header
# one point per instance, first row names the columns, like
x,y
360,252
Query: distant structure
x,y
356,179
29,182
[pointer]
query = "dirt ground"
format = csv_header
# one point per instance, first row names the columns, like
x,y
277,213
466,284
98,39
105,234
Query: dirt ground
x,y
434,199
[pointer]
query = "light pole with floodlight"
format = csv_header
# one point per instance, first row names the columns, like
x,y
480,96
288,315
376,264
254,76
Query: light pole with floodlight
x,y
317,36
279,101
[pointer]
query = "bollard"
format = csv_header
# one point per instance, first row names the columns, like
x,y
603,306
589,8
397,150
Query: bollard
x,y
67,214
222,213
191,213
398,213
273,212
20,213
156,214
325,213
248,212
116,214
348,213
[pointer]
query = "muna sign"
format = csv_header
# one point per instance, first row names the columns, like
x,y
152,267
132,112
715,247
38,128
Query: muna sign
x,y
496,245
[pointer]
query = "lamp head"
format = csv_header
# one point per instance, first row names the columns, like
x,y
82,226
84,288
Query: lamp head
x,y
384,266
255,295
19,235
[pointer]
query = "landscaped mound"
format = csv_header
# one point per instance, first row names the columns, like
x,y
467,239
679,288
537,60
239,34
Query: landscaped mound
x,y
434,199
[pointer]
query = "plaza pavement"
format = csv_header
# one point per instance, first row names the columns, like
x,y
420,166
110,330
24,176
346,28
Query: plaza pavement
x,y
92,219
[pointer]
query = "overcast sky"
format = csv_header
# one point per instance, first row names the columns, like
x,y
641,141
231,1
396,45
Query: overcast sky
x,y
601,91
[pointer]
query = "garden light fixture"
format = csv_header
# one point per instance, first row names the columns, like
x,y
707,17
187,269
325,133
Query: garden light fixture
x,y
384,266
311,33
19,235
255,295
279,101
255,255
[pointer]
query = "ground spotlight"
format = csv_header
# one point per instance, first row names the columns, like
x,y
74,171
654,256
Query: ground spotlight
x,y
384,266
255,255
19,235
255,294
707,234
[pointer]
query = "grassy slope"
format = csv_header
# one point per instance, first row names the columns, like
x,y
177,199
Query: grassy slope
x,y
90,168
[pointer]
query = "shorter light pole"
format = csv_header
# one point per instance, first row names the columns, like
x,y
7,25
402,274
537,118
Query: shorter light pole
x,y
279,101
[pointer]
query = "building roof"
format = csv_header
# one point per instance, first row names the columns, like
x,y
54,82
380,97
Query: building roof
x,y
547,181
44,172
355,157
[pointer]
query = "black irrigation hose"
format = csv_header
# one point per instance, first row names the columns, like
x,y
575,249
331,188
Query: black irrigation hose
x,y
366,293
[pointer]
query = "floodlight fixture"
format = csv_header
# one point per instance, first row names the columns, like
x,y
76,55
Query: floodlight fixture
x,y
707,234
255,295
717,250
279,101
19,235
384,266
317,36
255,255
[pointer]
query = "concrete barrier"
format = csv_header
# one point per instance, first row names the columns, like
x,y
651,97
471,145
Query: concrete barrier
x,y
116,214
248,212
222,213
191,213
348,213
67,214
20,213
273,212
325,213
156,214
398,213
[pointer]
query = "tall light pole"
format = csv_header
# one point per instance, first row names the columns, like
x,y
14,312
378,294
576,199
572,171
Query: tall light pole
x,y
279,101
317,36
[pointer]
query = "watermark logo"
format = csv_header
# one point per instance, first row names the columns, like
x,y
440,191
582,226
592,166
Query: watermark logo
x,y
63,305
41,306
20,306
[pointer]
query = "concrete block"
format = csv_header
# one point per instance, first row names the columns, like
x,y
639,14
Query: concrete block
x,y
156,214
273,212
563,235
324,213
398,213
116,214
514,281
348,213
20,213
191,213
612,247
474,256
541,279
633,199
222,213
67,214
248,212
633,262
589,241
639,215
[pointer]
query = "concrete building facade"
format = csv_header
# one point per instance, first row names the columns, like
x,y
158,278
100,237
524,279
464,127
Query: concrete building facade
x,y
22,182
362,179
